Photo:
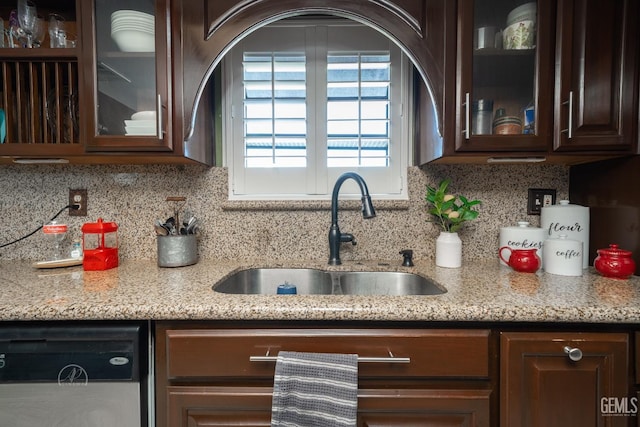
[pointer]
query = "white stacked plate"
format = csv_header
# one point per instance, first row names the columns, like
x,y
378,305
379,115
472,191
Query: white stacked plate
x,y
133,31
141,123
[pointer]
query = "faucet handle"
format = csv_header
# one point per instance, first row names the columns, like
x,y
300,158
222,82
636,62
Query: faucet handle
x,y
407,257
347,237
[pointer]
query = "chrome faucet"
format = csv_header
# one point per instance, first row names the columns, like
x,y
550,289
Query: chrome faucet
x,y
335,236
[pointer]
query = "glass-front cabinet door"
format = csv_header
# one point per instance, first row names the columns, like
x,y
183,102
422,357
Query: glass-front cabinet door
x,y
504,79
130,94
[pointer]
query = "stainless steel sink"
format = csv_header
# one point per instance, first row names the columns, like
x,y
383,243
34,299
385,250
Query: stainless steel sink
x,y
387,283
265,281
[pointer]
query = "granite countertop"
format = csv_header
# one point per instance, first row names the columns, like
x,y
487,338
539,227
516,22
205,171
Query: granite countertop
x,y
479,291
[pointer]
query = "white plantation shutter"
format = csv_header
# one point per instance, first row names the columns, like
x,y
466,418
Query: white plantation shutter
x,y
310,102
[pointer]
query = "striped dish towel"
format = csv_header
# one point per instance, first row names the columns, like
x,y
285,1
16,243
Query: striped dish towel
x,y
315,390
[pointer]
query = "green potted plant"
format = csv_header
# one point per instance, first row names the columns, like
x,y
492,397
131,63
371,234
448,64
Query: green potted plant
x,y
450,212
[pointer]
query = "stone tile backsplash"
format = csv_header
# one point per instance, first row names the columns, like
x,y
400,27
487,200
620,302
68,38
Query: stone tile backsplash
x,y
134,196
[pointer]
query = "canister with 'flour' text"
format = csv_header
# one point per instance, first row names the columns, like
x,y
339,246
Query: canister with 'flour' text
x,y
570,220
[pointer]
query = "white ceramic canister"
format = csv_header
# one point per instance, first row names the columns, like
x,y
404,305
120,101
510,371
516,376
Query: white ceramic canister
x,y
563,256
568,219
522,236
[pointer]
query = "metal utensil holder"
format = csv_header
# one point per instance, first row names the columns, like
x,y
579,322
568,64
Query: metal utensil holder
x,y
177,250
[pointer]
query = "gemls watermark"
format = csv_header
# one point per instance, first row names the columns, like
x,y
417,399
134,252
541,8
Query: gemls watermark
x,y
619,406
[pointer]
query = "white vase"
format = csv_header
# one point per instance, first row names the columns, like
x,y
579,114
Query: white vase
x,y
448,250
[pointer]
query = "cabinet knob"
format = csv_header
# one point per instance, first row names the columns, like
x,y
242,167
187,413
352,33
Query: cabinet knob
x,y
574,353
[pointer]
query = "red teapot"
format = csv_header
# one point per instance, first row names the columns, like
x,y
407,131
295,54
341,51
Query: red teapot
x,y
614,262
523,260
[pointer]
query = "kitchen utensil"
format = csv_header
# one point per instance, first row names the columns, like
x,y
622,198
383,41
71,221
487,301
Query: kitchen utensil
x,y
485,37
39,31
55,234
522,260
144,115
100,245
614,262
525,12
178,203
519,35
522,236
188,224
507,125
161,230
481,119
57,35
563,256
571,220
3,128
27,16
68,106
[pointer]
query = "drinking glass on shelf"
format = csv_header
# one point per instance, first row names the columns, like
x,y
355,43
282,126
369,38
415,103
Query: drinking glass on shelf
x,y
57,35
27,16
12,29
38,32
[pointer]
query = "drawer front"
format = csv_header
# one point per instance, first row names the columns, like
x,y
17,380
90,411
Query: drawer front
x,y
205,353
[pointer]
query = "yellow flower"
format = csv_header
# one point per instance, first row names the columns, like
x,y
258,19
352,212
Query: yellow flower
x,y
448,197
454,214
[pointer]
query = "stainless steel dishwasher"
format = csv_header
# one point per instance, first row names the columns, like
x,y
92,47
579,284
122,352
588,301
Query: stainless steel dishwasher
x,y
73,375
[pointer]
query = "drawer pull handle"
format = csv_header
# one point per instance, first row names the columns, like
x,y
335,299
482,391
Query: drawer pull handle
x,y
361,359
574,353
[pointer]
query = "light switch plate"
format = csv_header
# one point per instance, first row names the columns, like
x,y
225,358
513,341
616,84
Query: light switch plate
x,y
539,197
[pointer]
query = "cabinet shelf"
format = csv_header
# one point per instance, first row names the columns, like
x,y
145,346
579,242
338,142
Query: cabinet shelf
x,y
39,53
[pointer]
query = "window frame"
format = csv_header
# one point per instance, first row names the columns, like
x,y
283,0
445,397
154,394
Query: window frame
x,y
320,177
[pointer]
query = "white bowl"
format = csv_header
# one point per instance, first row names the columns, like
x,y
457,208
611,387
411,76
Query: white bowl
x,y
520,35
140,123
131,28
134,41
144,115
133,22
525,12
135,14
140,131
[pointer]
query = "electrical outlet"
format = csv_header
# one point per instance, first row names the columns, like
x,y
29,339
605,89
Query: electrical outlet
x,y
539,197
78,197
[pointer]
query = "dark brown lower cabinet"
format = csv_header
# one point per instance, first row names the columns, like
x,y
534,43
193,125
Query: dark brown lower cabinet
x,y
251,406
219,374
218,406
428,408
210,377
564,379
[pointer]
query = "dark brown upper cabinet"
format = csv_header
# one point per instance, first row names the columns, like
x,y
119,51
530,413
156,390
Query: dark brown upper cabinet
x,y
575,73
595,106
504,67
416,25
128,84
39,93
